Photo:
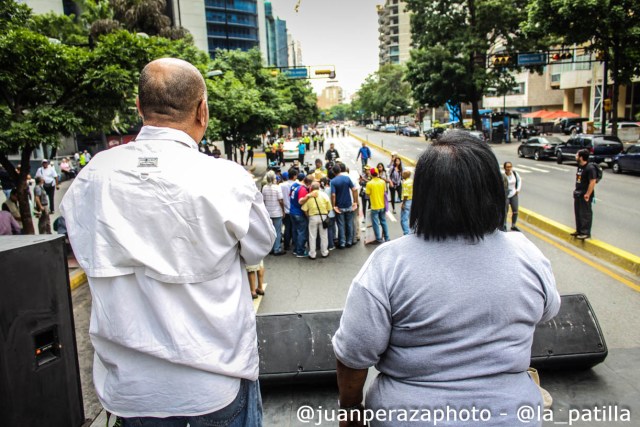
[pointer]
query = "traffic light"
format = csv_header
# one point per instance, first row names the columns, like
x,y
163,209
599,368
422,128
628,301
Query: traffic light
x,y
501,60
607,105
330,73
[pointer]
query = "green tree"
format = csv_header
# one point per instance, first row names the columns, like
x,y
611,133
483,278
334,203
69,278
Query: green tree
x,y
394,93
608,26
451,40
49,89
299,93
385,93
245,101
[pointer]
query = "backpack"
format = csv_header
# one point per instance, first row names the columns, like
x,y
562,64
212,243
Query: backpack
x,y
599,172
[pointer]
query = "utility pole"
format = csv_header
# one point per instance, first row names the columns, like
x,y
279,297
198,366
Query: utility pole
x,y
603,96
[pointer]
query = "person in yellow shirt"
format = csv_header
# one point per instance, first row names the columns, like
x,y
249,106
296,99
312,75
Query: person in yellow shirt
x,y
317,208
376,189
407,196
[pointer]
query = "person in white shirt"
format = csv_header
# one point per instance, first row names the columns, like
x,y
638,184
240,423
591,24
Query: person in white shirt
x,y
164,250
513,187
273,201
50,181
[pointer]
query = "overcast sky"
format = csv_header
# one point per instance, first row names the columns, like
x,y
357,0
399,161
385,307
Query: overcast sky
x,y
343,33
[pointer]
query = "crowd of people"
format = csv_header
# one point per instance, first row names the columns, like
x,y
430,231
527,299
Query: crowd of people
x,y
318,209
41,194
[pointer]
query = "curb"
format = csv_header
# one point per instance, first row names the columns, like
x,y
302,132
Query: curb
x,y
602,250
77,278
616,256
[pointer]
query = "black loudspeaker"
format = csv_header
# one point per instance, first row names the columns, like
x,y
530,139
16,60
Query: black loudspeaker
x,y
39,373
297,346
571,340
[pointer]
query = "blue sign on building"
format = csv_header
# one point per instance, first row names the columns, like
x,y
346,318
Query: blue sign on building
x,y
532,58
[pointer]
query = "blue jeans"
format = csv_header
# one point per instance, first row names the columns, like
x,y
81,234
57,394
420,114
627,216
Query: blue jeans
x,y
244,411
300,230
377,218
331,231
345,219
277,223
404,217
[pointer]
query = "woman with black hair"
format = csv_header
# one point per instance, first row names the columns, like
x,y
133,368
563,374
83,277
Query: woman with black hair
x,y
447,314
395,182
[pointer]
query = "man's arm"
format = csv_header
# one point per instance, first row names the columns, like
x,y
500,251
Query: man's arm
x,y
592,186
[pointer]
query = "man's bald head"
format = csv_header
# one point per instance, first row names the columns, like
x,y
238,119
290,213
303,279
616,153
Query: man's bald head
x,y
170,90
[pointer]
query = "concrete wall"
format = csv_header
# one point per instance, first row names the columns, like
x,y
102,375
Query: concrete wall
x,y
44,6
190,14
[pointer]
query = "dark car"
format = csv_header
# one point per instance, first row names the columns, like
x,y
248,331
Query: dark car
x,y
410,131
572,126
433,133
539,147
628,160
603,148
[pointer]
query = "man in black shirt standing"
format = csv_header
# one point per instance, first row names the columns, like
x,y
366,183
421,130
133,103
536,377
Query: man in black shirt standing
x,y
583,194
332,154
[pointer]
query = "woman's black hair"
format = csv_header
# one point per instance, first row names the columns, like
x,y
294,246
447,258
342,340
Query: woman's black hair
x,y
458,190
504,165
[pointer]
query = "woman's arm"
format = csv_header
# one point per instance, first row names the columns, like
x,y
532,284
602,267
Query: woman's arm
x,y
350,385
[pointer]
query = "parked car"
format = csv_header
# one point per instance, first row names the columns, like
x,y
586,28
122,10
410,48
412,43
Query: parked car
x,y
628,160
539,147
603,148
291,150
389,128
572,126
380,127
433,133
623,125
411,131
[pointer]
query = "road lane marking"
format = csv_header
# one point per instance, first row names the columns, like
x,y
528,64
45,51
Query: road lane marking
x,y
587,261
521,170
555,168
391,217
532,168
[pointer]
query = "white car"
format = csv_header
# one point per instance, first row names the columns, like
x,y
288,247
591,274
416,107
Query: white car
x,y
291,150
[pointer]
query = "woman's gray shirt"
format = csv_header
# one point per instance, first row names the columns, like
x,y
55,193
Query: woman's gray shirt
x,y
449,324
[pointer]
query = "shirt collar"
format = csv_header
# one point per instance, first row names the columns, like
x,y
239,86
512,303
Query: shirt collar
x,y
164,133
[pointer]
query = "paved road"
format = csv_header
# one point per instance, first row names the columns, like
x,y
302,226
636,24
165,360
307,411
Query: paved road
x,y
301,285
547,190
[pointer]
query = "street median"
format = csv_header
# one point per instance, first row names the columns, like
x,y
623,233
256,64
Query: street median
x,y
602,250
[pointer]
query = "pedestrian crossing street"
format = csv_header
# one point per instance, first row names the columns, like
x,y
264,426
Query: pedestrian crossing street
x,y
541,168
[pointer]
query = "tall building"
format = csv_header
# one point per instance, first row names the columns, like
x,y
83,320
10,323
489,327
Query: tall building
x,y
295,52
394,26
331,95
214,24
277,40
231,24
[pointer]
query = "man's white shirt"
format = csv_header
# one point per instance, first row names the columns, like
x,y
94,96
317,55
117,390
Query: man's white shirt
x,y
163,233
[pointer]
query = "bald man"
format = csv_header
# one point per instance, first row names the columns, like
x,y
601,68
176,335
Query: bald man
x,y
164,250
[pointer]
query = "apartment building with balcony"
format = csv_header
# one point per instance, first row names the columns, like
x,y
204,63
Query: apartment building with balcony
x,y
394,32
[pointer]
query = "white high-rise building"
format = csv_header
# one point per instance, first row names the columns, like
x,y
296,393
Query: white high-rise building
x,y
295,52
394,25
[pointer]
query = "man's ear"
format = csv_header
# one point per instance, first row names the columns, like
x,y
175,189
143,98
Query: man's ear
x,y
202,115
139,109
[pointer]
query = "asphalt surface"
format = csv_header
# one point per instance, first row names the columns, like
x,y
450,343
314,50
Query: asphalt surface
x,y
297,284
548,187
